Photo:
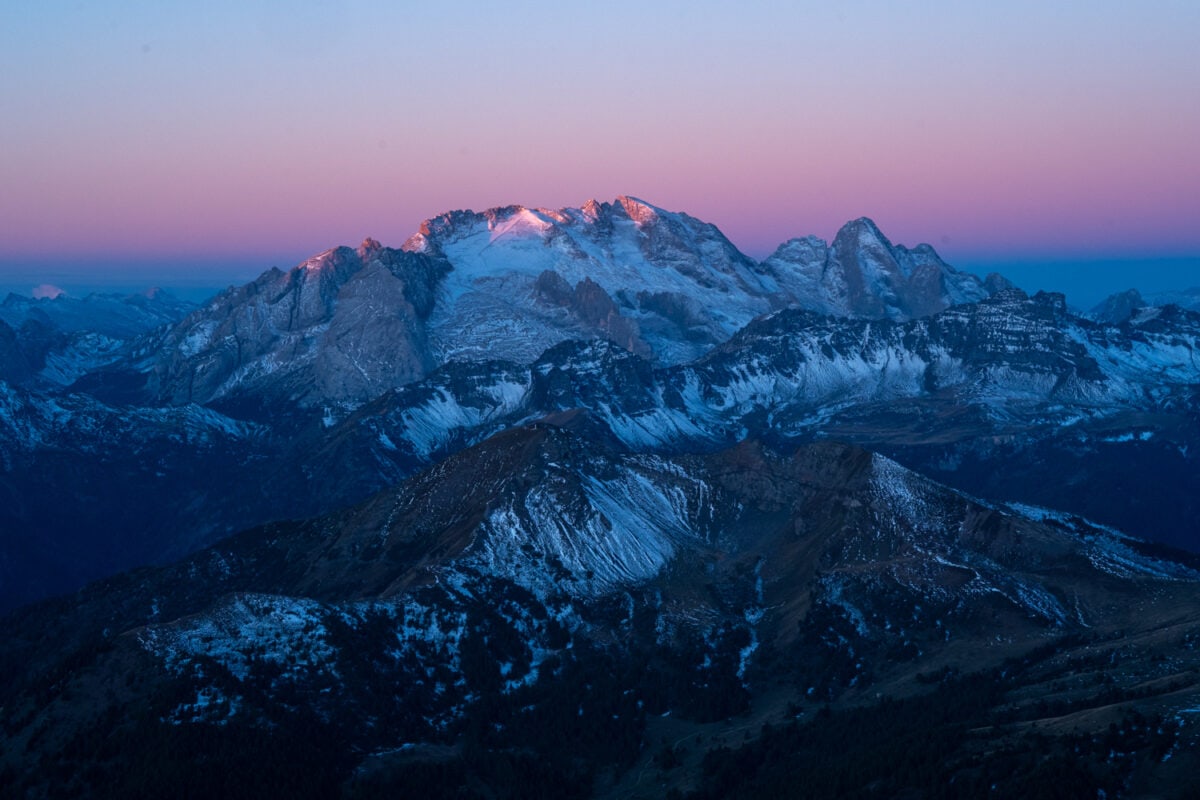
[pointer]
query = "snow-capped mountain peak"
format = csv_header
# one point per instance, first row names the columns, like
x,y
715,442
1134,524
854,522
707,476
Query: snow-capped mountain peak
x,y
862,274
638,210
864,232
369,249
668,280
510,282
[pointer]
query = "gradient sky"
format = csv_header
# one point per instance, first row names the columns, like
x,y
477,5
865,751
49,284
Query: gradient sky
x,y
204,142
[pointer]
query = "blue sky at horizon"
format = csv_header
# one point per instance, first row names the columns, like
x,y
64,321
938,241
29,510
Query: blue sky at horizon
x,y
1085,282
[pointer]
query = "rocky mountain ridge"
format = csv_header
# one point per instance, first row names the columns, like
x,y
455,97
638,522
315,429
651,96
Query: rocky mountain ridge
x,y
114,315
511,282
1121,306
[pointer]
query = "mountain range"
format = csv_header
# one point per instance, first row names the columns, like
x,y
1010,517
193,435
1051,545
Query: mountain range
x,y
308,389
509,283
587,501
1122,305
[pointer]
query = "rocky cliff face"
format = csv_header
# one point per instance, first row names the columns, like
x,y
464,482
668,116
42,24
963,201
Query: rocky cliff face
x,y
1000,397
343,326
862,274
1119,307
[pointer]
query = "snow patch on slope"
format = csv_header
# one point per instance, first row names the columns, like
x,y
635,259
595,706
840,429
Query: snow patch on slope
x,y
592,534
1108,549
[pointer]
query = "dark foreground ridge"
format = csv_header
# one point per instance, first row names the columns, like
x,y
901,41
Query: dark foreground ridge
x,y
548,614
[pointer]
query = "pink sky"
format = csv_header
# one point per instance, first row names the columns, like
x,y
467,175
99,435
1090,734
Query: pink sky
x,y
1056,129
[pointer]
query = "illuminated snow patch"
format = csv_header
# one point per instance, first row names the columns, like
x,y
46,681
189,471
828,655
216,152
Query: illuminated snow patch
x,y
430,425
598,536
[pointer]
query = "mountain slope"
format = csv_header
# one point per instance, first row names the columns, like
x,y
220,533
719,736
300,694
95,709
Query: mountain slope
x,y
543,579
50,343
88,489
